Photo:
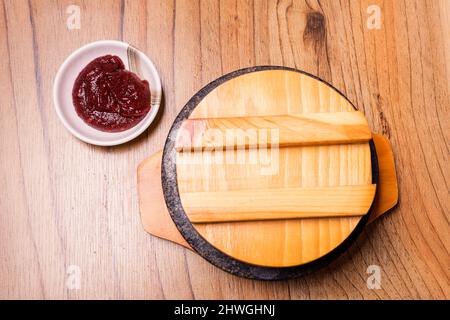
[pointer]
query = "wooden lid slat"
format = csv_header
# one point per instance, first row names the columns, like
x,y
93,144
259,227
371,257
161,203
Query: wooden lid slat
x,y
279,203
265,131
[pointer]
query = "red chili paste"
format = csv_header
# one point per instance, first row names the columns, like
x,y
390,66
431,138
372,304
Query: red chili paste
x,y
108,97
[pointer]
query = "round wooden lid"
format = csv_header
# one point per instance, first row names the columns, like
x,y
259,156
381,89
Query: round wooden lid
x,y
293,184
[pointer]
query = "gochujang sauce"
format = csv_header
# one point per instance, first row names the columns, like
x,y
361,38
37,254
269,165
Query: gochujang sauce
x,y
108,97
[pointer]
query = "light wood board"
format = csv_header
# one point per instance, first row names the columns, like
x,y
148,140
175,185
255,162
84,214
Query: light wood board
x,y
156,219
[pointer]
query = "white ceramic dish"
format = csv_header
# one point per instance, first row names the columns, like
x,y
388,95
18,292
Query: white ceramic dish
x,y
134,60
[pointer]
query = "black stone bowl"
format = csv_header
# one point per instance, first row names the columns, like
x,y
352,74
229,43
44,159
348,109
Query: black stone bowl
x,y
202,246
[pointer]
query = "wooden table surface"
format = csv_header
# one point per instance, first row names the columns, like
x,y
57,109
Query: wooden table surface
x,y
68,208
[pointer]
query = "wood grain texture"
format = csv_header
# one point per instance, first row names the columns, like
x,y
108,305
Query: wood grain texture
x,y
290,130
278,203
66,203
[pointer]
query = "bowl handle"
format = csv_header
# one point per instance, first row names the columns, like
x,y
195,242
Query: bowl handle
x,y
387,191
155,217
